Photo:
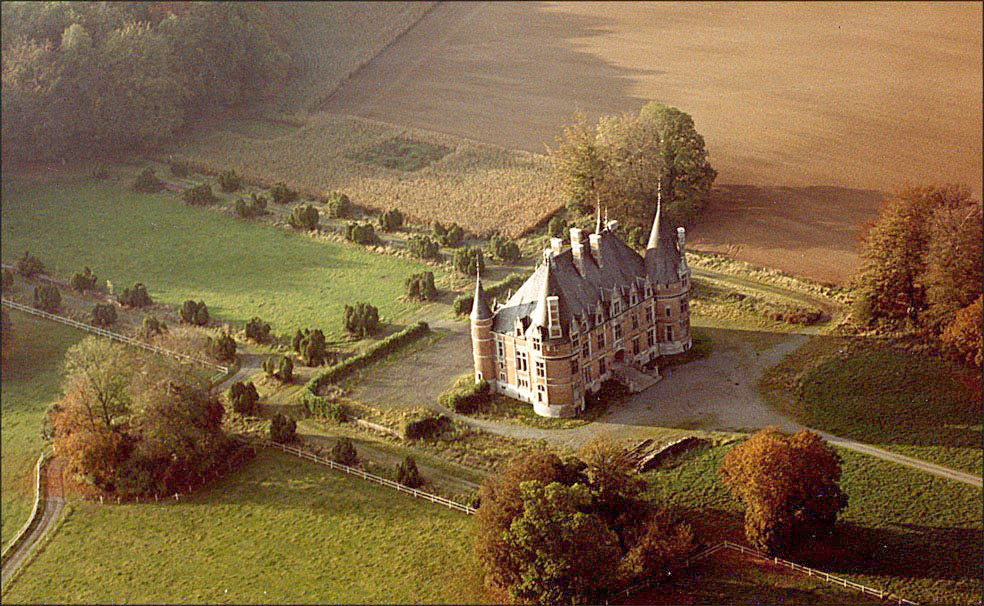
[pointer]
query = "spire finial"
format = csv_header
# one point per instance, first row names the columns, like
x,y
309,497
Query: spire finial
x,y
598,209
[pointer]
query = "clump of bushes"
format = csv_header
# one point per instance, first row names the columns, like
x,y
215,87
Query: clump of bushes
x,y
637,237
344,452
83,280
258,330
47,298
362,319
194,313
178,169
229,181
557,227
391,220
199,195
468,261
452,236
282,429
104,314
152,326
256,207
426,427
282,370
312,346
339,206
361,233
407,473
504,249
29,266
136,296
463,303
421,286
424,247
223,348
304,217
321,406
281,194
147,182
468,400
377,351
244,398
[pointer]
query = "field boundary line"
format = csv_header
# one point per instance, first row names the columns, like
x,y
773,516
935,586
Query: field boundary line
x,y
419,494
36,511
741,549
112,335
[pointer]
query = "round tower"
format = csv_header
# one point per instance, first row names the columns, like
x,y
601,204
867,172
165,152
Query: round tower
x,y
483,345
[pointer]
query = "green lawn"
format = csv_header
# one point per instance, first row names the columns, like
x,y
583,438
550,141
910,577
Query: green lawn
x,y
916,404
239,268
907,532
31,381
278,531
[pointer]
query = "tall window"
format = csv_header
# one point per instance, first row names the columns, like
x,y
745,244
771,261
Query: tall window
x,y
618,331
635,346
522,362
540,368
500,347
652,315
667,311
586,348
601,340
634,298
553,316
573,368
586,373
536,343
635,321
669,333
541,392
601,366
616,308
652,337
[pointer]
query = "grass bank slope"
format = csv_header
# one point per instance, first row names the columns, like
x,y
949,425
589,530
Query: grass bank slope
x,y
278,531
31,381
239,268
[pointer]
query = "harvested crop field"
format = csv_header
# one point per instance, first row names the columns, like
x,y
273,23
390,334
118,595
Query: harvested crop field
x,y
818,106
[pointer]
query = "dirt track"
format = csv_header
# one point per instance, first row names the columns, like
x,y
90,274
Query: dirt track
x,y
831,101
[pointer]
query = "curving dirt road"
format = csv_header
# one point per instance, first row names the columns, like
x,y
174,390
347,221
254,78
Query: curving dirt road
x,y
54,504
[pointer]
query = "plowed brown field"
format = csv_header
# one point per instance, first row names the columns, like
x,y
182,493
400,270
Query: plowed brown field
x,y
809,110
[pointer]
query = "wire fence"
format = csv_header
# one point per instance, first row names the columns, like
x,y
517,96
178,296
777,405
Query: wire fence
x,y
115,336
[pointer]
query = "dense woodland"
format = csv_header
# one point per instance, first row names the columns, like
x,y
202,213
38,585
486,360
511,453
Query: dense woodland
x,y
90,78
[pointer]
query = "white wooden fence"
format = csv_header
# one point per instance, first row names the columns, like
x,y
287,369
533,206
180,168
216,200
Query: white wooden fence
x,y
419,494
113,335
813,572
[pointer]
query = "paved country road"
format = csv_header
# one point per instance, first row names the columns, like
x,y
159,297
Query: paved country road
x,y
55,503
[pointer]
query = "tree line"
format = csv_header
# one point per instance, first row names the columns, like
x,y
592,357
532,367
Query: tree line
x,y
89,78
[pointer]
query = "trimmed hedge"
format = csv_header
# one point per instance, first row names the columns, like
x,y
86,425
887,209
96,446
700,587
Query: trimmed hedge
x,y
323,407
463,303
374,353
468,400
426,427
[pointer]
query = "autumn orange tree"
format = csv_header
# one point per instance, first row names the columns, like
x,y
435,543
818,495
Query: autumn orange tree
x,y
789,486
553,531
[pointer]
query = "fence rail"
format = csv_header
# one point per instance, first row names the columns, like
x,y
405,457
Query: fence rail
x,y
113,335
419,494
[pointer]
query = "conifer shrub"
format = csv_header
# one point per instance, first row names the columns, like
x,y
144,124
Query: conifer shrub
x,y
199,195
304,217
104,314
391,220
229,181
83,280
178,169
407,473
223,348
244,398
362,319
504,249
283,429
281,194
29,266
344,452
361,233
147,182
339,206
136,296
421,286
452,236
194,313
468,261
258,330
47,298
424,247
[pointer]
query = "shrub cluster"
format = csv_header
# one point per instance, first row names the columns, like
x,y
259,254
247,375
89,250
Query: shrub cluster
x,y
258,330
254,208
323,407
374,353
178,169
339,206
147,182
344,452
426,427
229,181
281,194
468,400
104,314
136,296
424,247
452,236
421,286
557,227
407,473
282,370
463,303
637,237
83,280
244,398
504,249
362,319
152,326
222,349
468,261
311,346
29,266
361,233
194,313
304,217
282,429
47,297
199,195
391,220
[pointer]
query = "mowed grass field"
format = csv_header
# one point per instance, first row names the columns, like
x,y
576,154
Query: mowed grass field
x,y
239,268
278,531
916,404
905,531
479,186
31,381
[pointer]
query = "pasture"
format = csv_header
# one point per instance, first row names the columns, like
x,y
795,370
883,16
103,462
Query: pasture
x,y
903,531
31,381
239,268
277,531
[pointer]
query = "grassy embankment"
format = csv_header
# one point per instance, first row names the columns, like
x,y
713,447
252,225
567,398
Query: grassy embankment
x,y
916,404
906,531
239,268
31,381
277,531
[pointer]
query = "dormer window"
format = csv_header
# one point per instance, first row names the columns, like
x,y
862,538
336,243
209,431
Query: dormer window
x,y
553,317
616,308
536,344
633,298
599,318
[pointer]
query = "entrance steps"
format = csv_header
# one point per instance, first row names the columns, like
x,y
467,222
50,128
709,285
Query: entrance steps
x,y
634,378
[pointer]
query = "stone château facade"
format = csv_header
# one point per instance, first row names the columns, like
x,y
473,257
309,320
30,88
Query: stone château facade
x,y
584,313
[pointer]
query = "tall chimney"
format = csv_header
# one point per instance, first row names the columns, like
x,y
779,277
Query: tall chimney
x,y
556,245
595,240
577,249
